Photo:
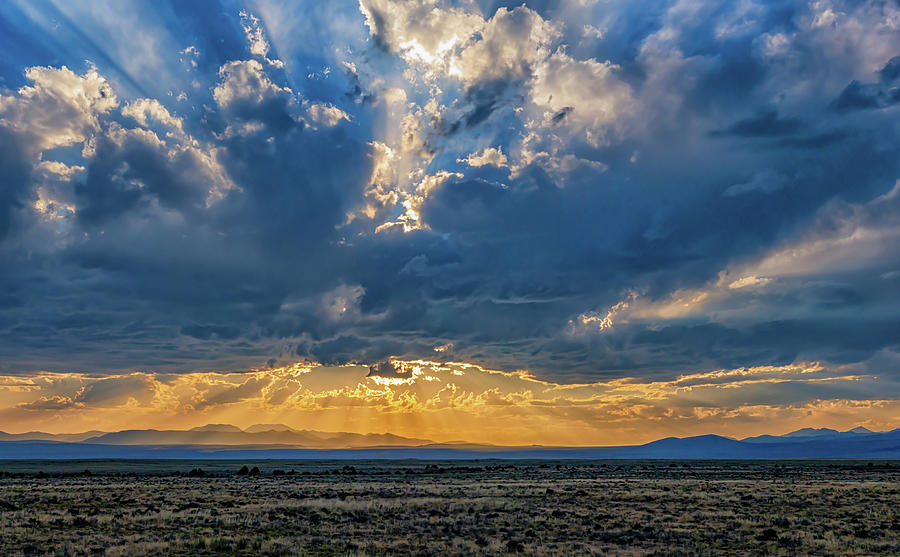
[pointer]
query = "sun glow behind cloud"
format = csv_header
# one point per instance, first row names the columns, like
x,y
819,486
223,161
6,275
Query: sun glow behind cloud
x,y
455,401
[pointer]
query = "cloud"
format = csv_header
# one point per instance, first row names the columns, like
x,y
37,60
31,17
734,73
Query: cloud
x,y
256,40
765,181
130,165
326,114
44,403
217,393
419,30
765,124
247,93
353,183
580,93
60,108
491,156
386,369
115,391
884,94
146,110
512,43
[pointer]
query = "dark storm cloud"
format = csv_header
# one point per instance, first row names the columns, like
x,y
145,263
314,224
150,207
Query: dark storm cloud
x,y
132,170
885,93
243,232
386,369
766,124
16,172
871,95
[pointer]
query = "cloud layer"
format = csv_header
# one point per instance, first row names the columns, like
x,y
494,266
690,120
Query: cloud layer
x,y
586,190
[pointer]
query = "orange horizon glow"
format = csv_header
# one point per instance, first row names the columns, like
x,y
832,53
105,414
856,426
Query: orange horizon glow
x,y
446,402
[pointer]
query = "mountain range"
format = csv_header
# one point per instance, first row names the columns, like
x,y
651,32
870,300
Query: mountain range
x,y
227,435
281,441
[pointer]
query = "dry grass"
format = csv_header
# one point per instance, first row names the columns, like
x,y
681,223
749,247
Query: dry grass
x,y
633,508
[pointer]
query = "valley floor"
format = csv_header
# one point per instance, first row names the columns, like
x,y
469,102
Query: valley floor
x,y
446,508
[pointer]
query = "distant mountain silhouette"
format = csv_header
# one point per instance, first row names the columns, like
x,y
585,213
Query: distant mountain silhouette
x,y
280,441
269,427
712,446
218,427
810,434
41,436
230,435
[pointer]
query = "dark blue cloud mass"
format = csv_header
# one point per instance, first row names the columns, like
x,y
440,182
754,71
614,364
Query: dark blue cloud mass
x,y
581,189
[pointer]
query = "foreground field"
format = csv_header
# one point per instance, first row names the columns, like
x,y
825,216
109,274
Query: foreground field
x,y
440,508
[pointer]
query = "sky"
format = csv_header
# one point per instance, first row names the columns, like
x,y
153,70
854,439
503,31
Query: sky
x,y
570,222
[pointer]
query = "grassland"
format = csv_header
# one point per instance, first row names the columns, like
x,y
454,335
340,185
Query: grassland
x,y
441,508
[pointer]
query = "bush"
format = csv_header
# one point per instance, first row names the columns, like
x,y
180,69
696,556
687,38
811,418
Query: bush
x,y
254,471
243,471
196,473
515,546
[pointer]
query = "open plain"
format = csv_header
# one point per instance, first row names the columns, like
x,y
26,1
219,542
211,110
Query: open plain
x,y
440,508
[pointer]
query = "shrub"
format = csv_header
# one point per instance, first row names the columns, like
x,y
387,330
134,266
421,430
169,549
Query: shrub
x,y
514,546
